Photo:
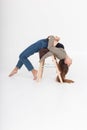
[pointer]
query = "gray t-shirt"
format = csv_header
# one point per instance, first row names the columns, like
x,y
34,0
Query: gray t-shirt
x,y
60,53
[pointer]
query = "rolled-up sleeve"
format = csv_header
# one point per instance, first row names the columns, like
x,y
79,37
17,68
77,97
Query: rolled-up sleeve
x,y
51,41
60,53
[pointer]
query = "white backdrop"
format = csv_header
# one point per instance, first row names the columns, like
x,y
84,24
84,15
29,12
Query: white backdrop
x,y
25,104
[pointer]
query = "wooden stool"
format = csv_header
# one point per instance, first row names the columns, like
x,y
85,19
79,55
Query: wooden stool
x,y
41,65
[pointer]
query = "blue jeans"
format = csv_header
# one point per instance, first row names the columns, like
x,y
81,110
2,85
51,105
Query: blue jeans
x,y
23,57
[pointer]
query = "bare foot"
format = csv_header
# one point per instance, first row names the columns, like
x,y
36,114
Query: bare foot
x,y
34,72
14,71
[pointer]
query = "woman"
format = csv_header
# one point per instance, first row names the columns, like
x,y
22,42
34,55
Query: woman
x,y
34,48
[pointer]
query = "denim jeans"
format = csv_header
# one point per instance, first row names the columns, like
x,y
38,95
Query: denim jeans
x,y
35,47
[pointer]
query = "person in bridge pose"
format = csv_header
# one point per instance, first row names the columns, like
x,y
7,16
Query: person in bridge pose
x,y
50,42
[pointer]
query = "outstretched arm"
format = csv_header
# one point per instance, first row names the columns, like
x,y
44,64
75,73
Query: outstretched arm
x,y
60,53
53,41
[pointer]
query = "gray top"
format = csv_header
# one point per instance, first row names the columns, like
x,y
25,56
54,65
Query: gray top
x,y
60,53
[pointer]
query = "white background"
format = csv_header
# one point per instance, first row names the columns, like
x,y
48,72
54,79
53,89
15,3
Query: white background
x,y
24,104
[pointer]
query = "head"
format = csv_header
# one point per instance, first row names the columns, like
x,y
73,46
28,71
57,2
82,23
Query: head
x,y
63,68
68,61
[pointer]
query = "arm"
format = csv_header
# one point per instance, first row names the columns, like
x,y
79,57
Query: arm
x,y
46,55
53,41
49,53
60,53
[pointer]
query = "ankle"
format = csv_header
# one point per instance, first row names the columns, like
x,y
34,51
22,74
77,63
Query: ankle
x,y
34,72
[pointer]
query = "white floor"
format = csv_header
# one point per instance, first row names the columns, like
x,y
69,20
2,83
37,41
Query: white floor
x,y
48,105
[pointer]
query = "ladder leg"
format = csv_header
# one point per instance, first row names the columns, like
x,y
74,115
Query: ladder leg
x,y
57,69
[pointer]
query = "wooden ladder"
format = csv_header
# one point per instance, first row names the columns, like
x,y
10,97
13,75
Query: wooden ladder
x,y
41,67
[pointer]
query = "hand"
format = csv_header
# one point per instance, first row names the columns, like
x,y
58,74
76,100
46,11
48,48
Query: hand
x,y
57,38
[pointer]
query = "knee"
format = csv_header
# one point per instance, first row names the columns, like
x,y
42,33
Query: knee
x,y
22,56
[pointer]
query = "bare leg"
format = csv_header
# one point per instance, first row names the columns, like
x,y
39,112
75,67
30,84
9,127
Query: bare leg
x,y
14,71
34,72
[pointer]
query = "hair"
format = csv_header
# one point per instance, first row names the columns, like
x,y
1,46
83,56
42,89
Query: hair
x,y
63,68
